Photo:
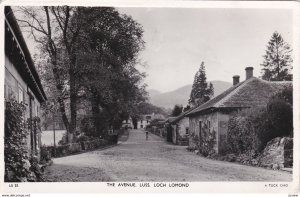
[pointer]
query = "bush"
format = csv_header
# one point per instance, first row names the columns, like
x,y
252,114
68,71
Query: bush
x,y
46,154
250,130
241,133
87,126
15,152
278,121
205,145
19,166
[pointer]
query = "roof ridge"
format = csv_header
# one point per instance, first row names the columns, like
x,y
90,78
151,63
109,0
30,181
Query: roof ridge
x,y
234,91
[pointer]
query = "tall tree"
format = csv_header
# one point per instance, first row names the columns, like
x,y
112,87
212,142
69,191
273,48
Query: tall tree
x,y
51,28
277,64
109,54
177,110
201,90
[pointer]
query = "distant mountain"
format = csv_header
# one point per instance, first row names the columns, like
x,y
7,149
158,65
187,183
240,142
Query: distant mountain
x,y
181,95
153,93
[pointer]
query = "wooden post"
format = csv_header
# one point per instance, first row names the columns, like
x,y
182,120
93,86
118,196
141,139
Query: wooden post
x,y
54,133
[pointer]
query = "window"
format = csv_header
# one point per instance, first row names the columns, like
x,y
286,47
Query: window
x,y
186,131
208,125
200,128
37,110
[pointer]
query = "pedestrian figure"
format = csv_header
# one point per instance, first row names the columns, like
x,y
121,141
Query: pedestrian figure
x,y
146,135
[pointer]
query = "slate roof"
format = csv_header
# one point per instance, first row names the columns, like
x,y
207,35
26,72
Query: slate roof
x,y
32,78
253,92
170,119
182,115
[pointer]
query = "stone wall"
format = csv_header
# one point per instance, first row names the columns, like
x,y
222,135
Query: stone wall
x,y
277,154
77,147
194,128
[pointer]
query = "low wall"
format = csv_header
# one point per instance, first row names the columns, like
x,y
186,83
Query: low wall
x,y
277,154
64,150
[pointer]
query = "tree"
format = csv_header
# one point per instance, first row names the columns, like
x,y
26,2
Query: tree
x,y
109,54
177,110
92,53
186,108
201,91
277,64
57,29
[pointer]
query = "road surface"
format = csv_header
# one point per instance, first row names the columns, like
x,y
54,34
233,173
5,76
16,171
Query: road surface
x,y
138,159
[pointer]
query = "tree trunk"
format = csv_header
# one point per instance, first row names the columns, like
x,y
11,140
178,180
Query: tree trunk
x,y
95,114
60,98
73,100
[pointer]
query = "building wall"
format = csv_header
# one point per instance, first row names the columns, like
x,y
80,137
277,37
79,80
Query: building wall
x,y
15,87
141,124
174,134
223,119
208,119
181,134
219,123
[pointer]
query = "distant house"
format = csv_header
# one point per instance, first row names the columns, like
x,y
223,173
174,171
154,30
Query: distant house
x,y
180,129
144,121
127,123
22,81
212,117
157,127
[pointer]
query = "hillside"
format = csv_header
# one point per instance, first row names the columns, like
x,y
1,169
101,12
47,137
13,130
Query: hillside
x,y
181,95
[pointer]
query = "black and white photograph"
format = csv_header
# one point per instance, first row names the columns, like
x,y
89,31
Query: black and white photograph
x,y
150,96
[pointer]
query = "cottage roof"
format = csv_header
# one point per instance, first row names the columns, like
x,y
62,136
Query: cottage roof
x,y
182,115
28,71
249,93
170,119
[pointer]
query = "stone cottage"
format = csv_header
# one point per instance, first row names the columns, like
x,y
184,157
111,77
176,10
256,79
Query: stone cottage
x,y
144,121
209,121
22,82
180,129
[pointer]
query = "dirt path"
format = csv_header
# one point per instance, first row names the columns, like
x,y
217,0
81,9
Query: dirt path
x,y
138,159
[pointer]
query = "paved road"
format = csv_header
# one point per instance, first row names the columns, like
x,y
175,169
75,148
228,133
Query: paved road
x,y
138,159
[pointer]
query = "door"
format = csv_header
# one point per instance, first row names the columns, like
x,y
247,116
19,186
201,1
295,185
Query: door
x,y
200,134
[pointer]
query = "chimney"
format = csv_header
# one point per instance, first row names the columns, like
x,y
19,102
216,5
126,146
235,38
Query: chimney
x,y
236,79
249,72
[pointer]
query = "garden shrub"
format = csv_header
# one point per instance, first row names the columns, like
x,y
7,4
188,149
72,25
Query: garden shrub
x,y
46,154
250,130
19,166
15,151
241,134
205,145
87,126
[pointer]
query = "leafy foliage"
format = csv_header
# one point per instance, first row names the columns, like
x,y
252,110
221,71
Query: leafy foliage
x,y
177,110
241,134
252,129
19,167
201,91
277,64
15,152
91,54
205,143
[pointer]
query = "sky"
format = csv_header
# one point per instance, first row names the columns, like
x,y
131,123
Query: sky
x,y
226,40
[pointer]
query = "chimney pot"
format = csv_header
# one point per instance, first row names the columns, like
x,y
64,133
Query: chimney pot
x,y
236,79
249,72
